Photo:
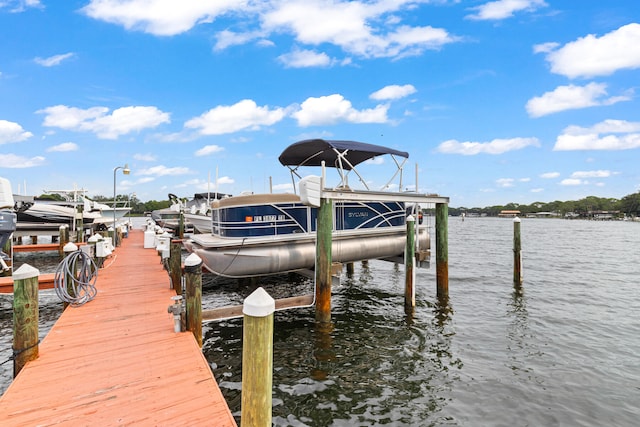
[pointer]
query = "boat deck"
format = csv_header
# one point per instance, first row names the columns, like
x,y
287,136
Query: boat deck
x,y
116,360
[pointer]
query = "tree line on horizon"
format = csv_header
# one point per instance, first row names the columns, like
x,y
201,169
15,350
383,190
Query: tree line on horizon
x,y
629,205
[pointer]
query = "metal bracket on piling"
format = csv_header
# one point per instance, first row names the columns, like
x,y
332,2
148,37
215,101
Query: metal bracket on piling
x,y
177,309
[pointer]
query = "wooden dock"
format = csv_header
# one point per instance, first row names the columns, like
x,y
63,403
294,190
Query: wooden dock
x,y
116,360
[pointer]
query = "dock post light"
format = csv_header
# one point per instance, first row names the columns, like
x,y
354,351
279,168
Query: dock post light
x,y
125,171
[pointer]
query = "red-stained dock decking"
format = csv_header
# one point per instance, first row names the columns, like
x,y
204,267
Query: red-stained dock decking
x,y
116,360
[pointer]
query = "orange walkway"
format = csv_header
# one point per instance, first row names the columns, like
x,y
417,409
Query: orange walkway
x,y
116,359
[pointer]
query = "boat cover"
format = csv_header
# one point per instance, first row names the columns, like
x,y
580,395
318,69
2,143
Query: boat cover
x,y
311,152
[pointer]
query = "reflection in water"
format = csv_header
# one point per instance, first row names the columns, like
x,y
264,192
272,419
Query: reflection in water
x,y
371,365
443,311
324,353
521,347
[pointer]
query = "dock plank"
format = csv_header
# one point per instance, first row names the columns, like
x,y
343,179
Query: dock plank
x,y
116,359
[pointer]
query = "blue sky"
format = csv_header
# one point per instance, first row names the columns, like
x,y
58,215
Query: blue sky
x,y
496,101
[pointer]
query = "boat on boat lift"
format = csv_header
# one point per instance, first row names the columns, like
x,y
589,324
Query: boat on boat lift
x,y
196,213
263,234
8,223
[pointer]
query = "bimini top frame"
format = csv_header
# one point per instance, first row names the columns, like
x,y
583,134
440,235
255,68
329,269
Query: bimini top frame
x,y
344,156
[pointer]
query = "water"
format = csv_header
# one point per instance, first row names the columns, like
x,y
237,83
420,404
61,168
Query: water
x,y
561,351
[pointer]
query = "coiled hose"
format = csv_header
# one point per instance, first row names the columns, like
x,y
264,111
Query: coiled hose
x,y
79,268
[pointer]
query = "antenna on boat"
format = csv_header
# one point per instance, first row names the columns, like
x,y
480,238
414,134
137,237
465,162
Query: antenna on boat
x,y
209,189
216,183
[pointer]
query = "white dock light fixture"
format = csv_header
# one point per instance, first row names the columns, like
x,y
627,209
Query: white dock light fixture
x,y
125,171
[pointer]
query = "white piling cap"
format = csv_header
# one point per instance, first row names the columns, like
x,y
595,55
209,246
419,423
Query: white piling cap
x,y
516,219
259,304
25,272
192,260
70,247
411,218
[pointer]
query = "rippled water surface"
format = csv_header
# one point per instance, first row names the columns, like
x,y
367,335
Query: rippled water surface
x,y
561,351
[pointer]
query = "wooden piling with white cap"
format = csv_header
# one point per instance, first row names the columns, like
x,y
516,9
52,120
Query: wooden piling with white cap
x,y
25,316
193,291
257,359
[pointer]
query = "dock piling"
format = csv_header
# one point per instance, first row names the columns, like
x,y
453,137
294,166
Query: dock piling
x,y
193,291
70,275
409,265
517,254
63,239
25,316
175,251
442,250
323,260
257,360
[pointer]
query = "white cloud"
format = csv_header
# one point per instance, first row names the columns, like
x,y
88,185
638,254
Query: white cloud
x,y
393,92
357,27
283,187
52,61
598,56
162,170
573,181
148,157
505,182
545,47
161,17
299,58
537,190
375,161
497,146
550,175
17,6
502,9
97,120
225,180
606,135
65,146
227,38
12,132
362,28
591,174
332,109
571,97
244,115
208,149
12,161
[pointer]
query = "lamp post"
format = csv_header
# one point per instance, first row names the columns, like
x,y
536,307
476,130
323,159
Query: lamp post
x,y
125,171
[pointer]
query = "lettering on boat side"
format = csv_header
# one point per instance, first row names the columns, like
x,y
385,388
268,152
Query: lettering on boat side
x,y
265,218
358,214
